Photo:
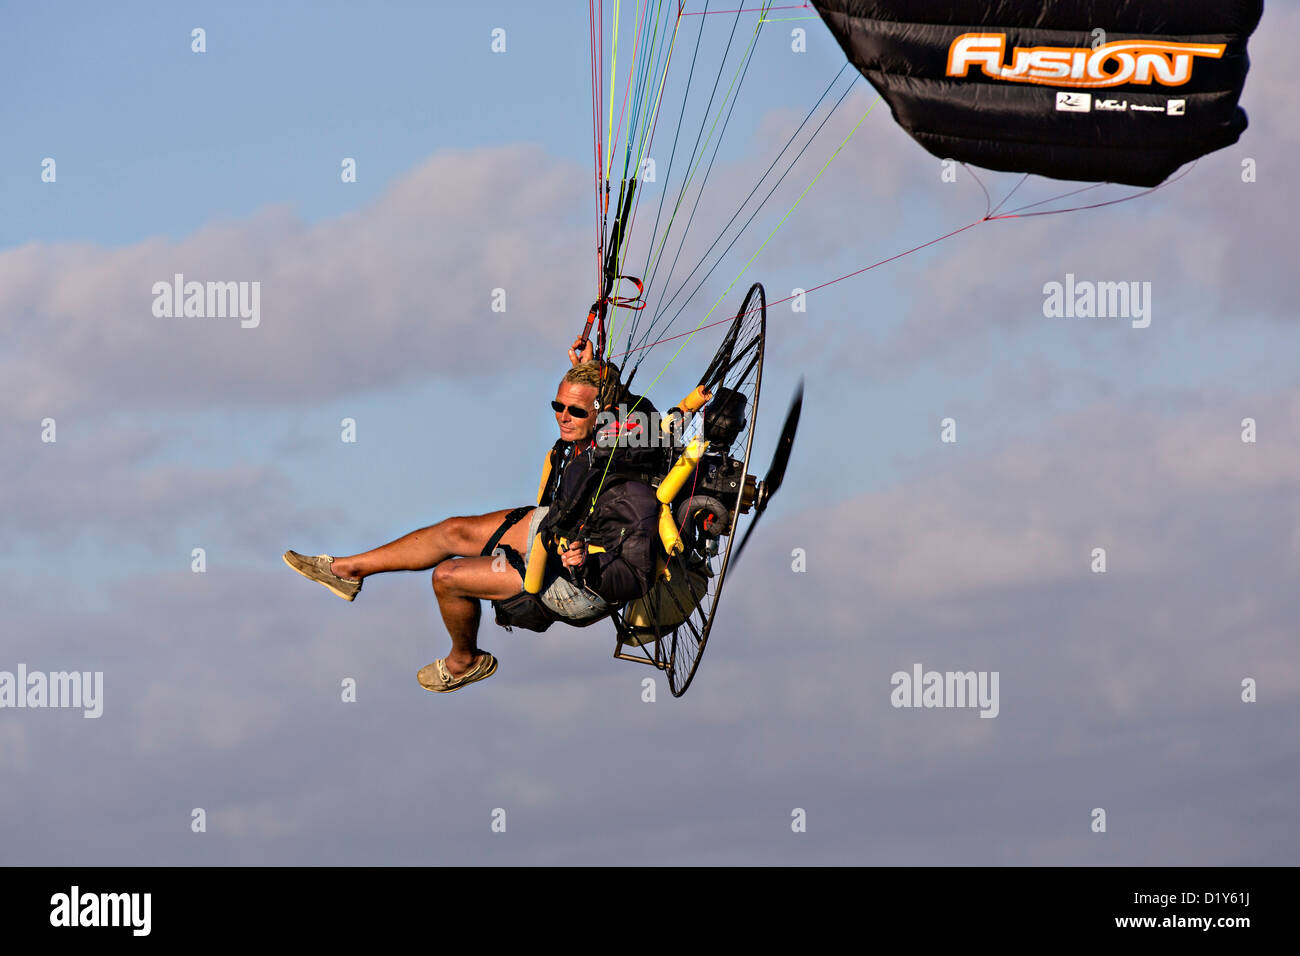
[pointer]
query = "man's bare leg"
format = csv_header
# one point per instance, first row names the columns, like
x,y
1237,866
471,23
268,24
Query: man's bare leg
x,y
428,547
460,585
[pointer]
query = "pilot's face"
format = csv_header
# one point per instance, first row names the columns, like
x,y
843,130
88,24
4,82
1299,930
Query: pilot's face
x,y
570,396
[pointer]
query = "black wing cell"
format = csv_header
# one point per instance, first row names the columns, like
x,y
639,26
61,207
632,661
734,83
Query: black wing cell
x,y
1088,90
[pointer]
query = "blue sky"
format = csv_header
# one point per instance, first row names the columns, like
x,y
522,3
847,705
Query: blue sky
x,y
161,141
473,174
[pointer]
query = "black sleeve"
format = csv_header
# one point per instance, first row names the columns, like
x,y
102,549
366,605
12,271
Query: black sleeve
x,y
628,530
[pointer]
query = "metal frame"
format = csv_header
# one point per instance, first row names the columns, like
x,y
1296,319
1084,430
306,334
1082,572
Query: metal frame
x,y
664,649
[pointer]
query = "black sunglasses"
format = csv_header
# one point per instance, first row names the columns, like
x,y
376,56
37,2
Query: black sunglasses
x,y
574,410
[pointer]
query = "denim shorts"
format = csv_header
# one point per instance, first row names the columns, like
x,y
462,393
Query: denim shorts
x,y
560,594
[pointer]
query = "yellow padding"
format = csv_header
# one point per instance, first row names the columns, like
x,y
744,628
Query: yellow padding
x,y
668,530
695,401
677,475
536,570
546,476
690,403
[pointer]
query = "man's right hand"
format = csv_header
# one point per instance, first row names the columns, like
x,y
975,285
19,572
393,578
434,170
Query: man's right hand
x,y
575,556
578,358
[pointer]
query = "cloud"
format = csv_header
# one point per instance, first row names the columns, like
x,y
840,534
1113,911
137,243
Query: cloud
x,y
984,562
375,298
1113,687
222,689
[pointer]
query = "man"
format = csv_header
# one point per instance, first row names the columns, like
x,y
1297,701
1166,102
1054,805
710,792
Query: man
x,y
580,502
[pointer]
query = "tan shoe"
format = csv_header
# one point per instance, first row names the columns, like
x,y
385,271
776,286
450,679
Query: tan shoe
x,y
318,569
437,678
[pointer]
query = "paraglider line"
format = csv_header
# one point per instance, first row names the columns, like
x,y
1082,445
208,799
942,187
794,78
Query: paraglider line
x,y
737,79
1021,214
1014,214
1043,202
988,200
645,146
745,268
627,87
671,158
705,13
815,288
1023,179
758,208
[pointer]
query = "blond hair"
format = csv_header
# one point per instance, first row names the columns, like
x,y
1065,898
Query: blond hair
x,y
608,392
588,373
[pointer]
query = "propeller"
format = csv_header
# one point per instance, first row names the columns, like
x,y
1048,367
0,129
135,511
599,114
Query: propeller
x,y
776,471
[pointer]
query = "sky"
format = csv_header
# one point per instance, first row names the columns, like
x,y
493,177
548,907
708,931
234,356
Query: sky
x,y
888,547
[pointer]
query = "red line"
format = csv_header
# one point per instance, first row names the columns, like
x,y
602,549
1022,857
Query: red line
x,y
884,261
850,275
1019,213
709,13
907,252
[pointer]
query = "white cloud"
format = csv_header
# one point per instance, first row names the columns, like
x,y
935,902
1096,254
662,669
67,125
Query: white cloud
x,y
396,292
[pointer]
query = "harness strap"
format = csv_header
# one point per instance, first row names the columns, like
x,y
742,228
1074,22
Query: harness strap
x,y
513,556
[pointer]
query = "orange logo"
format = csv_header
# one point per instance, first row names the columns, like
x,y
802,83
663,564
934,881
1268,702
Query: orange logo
x,y
1111,64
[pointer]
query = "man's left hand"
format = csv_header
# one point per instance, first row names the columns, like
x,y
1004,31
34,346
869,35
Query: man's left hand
x,y
578,358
